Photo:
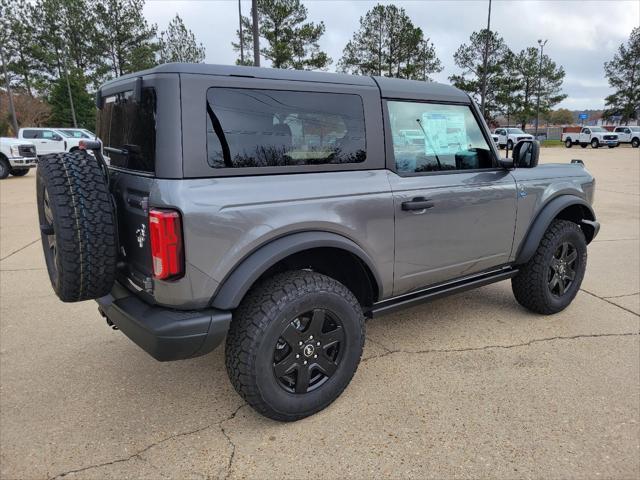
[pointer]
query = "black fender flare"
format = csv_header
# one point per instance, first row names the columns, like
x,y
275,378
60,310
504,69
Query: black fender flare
x,y
233,288
547,214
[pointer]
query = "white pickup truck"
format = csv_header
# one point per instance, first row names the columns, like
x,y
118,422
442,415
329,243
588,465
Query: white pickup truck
x,y
16,157
594,136
51,140
508,137
629,134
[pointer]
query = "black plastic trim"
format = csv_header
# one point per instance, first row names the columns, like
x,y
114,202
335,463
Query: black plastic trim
x,y
543,220
163,333
235,286
409,300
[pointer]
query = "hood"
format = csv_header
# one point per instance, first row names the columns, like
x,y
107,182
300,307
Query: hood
x,y
9,141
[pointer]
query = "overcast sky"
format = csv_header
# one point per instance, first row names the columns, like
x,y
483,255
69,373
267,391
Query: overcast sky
x,y
581,34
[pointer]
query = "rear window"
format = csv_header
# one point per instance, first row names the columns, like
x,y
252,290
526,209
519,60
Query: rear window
x,y
30,134
273,128
128,130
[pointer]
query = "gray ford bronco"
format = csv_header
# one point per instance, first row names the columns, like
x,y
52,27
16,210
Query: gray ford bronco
x,y
280,209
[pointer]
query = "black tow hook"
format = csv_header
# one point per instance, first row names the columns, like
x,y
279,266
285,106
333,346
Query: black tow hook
x,y
109,322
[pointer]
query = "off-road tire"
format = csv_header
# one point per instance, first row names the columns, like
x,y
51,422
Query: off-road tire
x,y
19,172
530,285
568,143
595,143
256,328
5,168
79,219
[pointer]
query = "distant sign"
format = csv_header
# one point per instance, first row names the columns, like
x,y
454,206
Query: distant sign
x,y
583,116
616,118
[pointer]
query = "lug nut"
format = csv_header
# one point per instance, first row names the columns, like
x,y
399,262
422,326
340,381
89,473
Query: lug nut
x,y
300,343
318,344
297,356
315,356
305,362
310,337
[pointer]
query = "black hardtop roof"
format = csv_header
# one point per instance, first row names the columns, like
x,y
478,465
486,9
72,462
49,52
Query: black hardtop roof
x,y
390,87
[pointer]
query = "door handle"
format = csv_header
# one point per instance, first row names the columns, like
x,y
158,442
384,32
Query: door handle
x,y
417,203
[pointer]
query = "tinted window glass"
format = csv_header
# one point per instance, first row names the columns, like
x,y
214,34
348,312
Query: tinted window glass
x,y
128,130
430,137
269,128
30,134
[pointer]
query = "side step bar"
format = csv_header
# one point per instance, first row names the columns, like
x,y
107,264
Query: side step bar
x,y
432,293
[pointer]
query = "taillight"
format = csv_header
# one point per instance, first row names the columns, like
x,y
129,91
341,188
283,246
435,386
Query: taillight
x,y
166,243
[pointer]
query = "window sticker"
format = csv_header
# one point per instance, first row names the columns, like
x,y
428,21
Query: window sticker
x,y
446,132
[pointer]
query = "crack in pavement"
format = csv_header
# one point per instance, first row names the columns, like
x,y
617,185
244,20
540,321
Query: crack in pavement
x,y
233,445
489,347
604,299
139,453
19,250
620,296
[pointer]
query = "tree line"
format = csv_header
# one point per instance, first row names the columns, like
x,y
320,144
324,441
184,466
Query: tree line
x,y
58,51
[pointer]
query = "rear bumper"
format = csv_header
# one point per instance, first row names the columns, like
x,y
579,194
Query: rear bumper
x,y
163,333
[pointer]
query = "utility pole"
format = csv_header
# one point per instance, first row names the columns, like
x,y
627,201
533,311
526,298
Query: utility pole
x,y
256,37
241,37
542,44
485,61
12,108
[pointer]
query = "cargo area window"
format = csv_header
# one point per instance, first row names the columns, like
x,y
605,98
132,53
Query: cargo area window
x,y
127,128
431,137
278,128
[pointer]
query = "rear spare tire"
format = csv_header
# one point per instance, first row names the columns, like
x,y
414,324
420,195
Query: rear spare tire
x,y
77,224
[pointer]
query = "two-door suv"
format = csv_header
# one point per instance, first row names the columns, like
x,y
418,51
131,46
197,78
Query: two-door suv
x,y
280,209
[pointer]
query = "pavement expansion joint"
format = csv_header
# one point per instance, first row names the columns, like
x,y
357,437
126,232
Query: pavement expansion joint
x,y
605,299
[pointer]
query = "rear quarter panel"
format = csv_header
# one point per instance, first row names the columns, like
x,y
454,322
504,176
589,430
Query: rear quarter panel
x,y
226,219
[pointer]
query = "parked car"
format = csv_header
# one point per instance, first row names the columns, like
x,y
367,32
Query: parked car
x,y
629,134
508,137
594,136
16,157
279,209
50,140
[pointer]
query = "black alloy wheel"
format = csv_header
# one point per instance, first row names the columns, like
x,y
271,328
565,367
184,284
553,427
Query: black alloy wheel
x,y
48,234
562,269
308,351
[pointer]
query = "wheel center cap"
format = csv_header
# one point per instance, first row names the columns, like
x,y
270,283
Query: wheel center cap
x,y
308,350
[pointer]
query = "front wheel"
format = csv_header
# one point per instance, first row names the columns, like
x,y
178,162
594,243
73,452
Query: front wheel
x,y
294,344
550,280
5,168
568,143
510,145
595,143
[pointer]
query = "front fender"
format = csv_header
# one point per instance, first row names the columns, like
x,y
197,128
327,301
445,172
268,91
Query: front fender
x,y
235,286
547,214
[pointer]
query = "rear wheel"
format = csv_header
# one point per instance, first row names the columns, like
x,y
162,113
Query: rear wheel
x,y
635,143
19,172
595,143
5,168
77,225
294,344
550,280
568,143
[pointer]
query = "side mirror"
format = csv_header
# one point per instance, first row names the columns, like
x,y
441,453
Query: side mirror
x,y
56,138
506,163
526,154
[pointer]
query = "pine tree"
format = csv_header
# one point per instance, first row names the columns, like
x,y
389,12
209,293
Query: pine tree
x,y
387,43
290,41
623,74
178,44
471,59
83,103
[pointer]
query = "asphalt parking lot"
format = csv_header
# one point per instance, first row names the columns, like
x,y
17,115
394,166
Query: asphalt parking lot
x,y
469,386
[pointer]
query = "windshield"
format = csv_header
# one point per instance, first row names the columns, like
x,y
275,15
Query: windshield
x,y
73,133
128,130
514,130
598,129
634,129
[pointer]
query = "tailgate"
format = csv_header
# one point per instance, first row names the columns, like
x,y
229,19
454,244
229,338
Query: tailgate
x,y
131,194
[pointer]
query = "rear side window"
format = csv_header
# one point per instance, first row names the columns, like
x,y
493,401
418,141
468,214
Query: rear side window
x,y
277,128
128,130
